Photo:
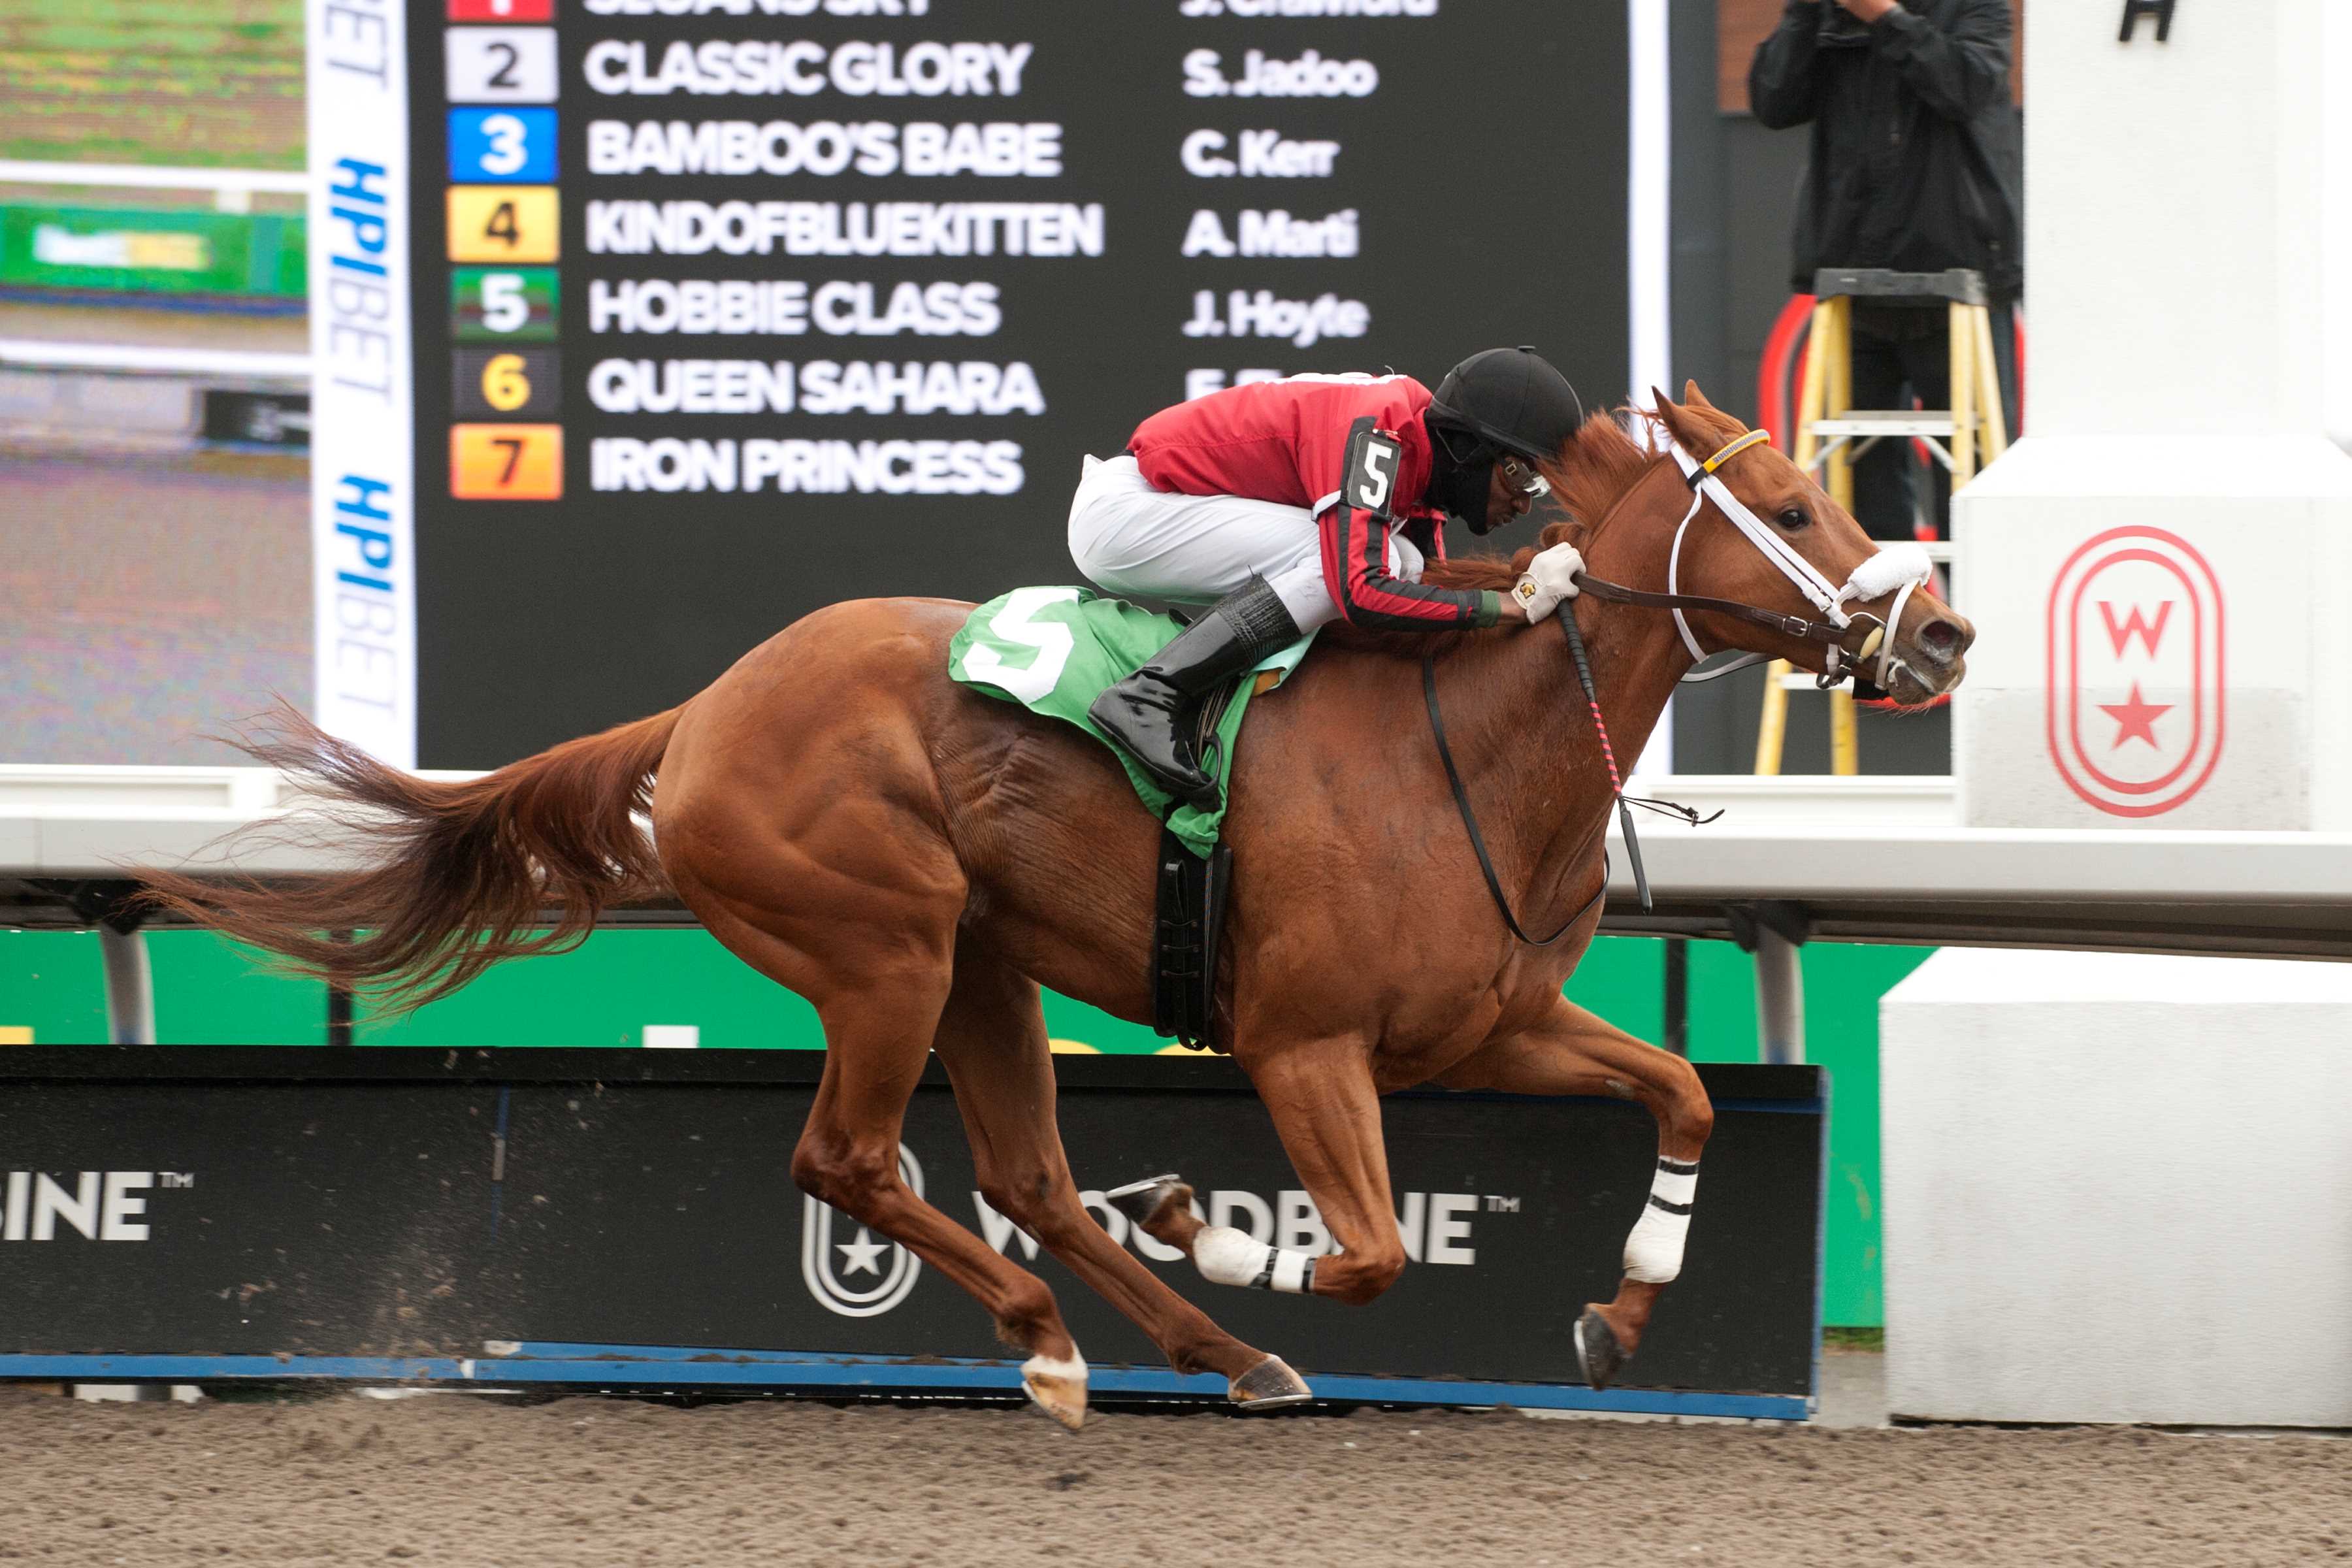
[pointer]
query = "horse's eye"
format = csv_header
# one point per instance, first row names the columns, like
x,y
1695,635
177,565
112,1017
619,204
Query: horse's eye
x,y
1793,518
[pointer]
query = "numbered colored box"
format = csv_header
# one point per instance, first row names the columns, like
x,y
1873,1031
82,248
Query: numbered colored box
x,y
504,223
505,144
502,10
501,64
506,462
503,304
508,382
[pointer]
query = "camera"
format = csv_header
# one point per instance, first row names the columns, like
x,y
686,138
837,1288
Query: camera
x,y
1840,29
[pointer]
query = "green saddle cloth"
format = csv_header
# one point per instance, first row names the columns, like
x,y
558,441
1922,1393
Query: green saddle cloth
x,y
1054,650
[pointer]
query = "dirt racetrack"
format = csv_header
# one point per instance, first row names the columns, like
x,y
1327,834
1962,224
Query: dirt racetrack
x,y
471,1482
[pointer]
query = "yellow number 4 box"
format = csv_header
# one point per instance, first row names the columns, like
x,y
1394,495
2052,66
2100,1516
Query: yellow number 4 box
x,y
506,462
504,223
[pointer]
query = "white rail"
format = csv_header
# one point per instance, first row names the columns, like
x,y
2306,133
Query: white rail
x,y
1857,849
122,359
233,189
1868,859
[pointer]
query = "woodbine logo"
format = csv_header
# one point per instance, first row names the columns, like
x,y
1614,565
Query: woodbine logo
x,y
866,1277
97,1206
1434,1226
890,1269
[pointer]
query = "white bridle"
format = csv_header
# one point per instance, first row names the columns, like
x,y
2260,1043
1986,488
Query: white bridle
x,y
1897,569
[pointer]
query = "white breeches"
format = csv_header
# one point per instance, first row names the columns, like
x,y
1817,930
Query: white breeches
x,y
1146,543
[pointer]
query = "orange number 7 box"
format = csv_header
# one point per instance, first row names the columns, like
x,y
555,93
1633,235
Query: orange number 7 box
x,y
506,462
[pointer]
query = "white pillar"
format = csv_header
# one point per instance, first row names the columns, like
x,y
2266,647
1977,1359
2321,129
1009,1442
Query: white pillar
x,y
1649,254
2173,199
2336,240
2116,1188
2155,569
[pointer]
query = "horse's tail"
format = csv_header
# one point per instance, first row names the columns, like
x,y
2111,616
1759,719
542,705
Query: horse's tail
x,y
457,875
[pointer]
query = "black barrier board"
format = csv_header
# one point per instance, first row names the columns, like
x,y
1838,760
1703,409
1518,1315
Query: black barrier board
x,y
309,1203
720,314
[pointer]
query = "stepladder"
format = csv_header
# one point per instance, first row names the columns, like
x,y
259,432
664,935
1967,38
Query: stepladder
x,y
1832,434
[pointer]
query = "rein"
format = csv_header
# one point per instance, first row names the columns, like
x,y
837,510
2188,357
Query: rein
x,y
1625,803
1770,620
1895,571
1479,840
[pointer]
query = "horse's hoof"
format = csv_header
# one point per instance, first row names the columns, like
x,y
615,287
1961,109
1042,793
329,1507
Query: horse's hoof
x,y
1269,1385
1596,1348
1059,1386
1139,1201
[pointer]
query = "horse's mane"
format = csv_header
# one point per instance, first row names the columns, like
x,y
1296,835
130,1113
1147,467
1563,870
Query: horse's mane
x,y
1592,472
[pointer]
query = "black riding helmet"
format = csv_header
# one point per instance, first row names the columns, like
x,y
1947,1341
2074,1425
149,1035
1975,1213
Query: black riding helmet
x,y
1504,400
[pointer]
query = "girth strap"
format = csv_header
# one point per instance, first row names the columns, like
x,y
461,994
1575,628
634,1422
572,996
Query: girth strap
x,y
1186,940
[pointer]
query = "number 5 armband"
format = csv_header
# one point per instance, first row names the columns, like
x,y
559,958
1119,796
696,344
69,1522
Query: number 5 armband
x,y
1368,475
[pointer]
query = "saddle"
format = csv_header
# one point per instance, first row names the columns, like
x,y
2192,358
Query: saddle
x,y
1053,650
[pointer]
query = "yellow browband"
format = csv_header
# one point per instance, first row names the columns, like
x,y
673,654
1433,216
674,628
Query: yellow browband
x,y
1706,469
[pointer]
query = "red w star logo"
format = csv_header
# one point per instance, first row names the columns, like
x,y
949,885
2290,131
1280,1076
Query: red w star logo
x,y
2135,719
2134,609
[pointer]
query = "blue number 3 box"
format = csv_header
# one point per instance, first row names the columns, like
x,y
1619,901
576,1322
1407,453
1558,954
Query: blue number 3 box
x,y
502,146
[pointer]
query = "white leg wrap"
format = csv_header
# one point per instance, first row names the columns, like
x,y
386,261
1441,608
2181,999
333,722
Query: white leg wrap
x,y
1069,1369
1653,1253
1057,1385
1228,1257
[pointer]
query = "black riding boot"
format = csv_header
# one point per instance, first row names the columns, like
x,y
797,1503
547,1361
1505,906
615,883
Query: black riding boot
x,y
1151,713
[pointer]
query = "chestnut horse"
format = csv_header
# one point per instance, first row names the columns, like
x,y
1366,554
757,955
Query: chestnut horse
x,y
916,859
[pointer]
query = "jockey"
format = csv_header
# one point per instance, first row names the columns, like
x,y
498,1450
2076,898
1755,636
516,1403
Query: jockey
x,y
1287,504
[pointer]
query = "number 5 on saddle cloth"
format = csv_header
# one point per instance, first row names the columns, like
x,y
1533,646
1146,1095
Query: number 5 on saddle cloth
x,y
1054,651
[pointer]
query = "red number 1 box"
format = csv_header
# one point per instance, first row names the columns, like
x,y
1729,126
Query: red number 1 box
x,y
502,10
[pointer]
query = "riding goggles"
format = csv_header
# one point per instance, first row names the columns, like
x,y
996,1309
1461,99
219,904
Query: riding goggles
x,y
1520,478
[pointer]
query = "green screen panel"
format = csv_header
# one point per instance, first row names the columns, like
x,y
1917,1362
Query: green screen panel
x,y
1843,985
51,983
604,992
208,992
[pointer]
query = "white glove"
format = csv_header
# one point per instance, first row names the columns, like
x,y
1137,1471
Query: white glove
x,y
1549,578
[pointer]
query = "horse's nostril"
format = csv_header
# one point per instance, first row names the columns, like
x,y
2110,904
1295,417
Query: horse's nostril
x,y
1941,639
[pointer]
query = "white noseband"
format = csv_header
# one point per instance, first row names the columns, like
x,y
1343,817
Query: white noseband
x,y
1897,569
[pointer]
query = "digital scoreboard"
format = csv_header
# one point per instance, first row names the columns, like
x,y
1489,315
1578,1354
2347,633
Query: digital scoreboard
x,y
692,316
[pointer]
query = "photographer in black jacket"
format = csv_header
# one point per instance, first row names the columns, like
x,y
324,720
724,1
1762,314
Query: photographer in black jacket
x,y
1913,168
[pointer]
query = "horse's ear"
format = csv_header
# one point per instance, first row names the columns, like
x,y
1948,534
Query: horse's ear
x,y
1675,419
1693,396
